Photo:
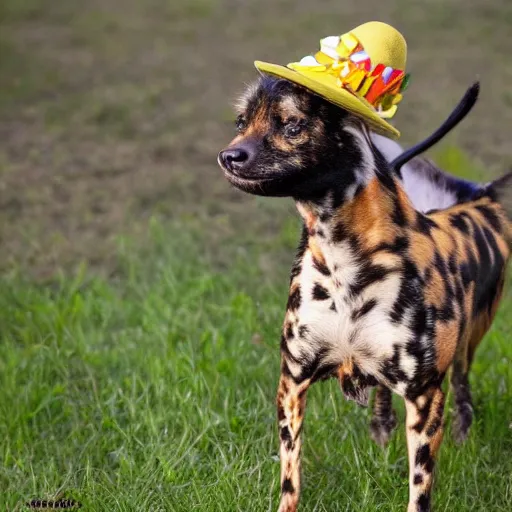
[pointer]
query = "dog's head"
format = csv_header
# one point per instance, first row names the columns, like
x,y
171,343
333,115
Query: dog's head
x,y
290,142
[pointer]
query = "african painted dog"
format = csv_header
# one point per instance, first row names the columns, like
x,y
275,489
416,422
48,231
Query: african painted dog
x,y
382,292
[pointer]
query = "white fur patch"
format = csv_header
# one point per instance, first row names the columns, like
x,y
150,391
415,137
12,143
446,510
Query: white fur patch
x,y
388,147
368,164
424,194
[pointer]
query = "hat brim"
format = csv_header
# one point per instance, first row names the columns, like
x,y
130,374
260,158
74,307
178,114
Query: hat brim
x,y
325,86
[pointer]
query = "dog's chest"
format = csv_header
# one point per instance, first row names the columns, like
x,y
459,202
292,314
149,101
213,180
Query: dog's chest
x,y
334,312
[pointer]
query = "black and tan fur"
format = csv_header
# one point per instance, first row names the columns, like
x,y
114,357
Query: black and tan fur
x,y
380,293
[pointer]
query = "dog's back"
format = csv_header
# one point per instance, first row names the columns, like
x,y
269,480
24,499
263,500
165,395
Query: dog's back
x,y
474,237
427,186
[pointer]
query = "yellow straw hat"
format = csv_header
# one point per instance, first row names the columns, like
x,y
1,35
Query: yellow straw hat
x,y
362,71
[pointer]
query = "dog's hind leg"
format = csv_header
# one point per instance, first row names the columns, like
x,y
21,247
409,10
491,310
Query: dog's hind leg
x,y
424,435
383,420
463,414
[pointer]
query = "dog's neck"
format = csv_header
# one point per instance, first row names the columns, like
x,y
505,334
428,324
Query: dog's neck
x,y
372,201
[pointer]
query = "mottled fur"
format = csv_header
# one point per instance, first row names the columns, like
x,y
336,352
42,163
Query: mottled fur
x,y
380,292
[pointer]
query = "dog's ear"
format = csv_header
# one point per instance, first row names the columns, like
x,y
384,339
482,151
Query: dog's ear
x,y
243,100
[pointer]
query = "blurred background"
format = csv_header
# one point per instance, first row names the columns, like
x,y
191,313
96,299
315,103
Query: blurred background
x,y
141,296
113,111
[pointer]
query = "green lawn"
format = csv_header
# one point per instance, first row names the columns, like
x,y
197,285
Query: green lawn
x,y
155,391
146,381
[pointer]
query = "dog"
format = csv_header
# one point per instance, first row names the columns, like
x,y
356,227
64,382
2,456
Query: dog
x,y
391,286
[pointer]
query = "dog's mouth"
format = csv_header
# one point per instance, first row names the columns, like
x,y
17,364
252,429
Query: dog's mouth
x,y
260,182
259,185
244,180
248,183
245,177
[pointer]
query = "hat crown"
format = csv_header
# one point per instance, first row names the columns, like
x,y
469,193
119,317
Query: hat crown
x,y
383,44
362,71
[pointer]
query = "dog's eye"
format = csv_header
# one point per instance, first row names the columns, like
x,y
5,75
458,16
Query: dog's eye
x,y
241,124
292,130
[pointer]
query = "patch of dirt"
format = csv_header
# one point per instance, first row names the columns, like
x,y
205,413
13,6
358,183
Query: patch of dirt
x,y
114,111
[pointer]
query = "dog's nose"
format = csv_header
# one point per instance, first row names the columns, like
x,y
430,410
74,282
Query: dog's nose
x,y
234,158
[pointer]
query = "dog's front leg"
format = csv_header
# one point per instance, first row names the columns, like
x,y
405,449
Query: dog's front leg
x,y
291,404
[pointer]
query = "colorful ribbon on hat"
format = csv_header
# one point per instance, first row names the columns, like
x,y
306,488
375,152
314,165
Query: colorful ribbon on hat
x,y
345,58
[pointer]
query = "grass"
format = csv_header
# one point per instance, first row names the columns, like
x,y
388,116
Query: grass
x,y
154,390
146,380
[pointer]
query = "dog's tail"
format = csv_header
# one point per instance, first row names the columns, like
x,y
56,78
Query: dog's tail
x,y
428,187
458,114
